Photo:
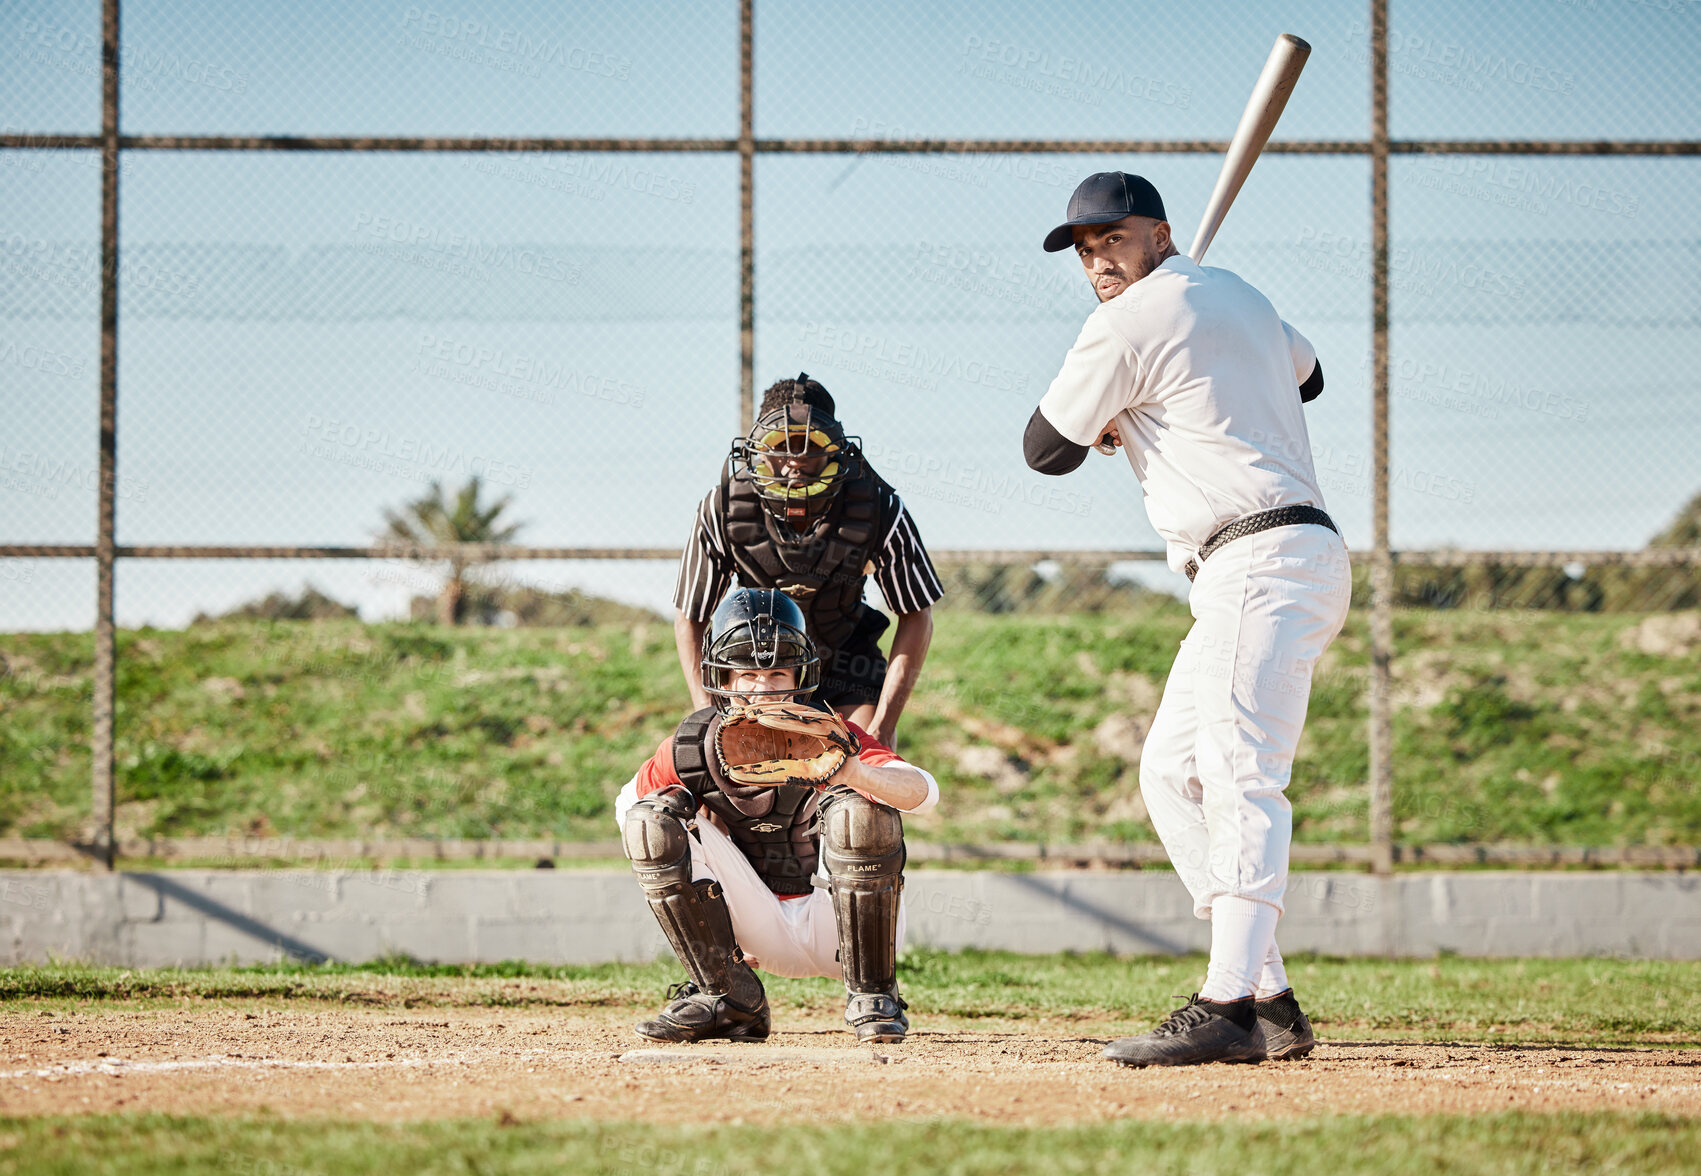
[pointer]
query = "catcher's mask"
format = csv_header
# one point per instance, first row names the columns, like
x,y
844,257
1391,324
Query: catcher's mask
x,y
758,629
798,458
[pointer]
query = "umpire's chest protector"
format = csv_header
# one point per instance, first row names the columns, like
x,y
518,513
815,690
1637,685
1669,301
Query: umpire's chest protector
x,y
772,826
824,570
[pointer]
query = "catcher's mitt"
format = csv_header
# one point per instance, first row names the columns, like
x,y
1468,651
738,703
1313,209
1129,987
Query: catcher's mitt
x,y
772,743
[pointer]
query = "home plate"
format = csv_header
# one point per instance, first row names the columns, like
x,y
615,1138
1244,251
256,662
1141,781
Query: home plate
x,y
753,1055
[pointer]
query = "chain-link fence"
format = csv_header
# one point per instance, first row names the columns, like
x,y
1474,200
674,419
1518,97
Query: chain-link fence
x,y
351,256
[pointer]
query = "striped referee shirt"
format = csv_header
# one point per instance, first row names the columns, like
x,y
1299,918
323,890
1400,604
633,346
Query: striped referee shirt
x,y
902,569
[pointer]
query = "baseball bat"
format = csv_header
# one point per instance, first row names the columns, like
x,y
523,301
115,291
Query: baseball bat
x,y
1265,106
1269,98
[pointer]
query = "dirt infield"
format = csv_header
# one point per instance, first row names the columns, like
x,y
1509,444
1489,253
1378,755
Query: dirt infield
x,y
394,1064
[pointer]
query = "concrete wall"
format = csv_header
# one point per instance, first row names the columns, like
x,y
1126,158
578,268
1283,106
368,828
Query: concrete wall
x,y
571,916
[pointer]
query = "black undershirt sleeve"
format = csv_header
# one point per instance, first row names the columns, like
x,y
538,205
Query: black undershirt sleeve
x,y
1047,450
1313,386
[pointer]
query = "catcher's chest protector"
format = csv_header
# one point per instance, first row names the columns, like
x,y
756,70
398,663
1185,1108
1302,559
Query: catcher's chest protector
x,y
773,826
824,573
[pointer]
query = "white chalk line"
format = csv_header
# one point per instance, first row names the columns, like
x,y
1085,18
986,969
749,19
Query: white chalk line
x,y
119,1066
115,1066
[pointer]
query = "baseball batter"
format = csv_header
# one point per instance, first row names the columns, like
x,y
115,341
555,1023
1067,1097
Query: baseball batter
x,y
1190,370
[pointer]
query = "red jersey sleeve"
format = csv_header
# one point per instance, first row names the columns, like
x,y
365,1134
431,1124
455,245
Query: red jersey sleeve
x,y
873,753
657,771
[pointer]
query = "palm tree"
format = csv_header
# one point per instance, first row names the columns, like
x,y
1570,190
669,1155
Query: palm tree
x,y
431,520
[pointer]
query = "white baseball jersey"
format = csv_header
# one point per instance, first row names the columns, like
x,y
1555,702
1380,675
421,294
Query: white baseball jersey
x,y
1202,379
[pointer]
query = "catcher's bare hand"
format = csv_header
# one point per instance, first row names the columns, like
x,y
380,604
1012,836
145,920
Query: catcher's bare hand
x,y
769,744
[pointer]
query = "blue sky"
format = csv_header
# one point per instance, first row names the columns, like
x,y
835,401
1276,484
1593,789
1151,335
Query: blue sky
x,y
307,337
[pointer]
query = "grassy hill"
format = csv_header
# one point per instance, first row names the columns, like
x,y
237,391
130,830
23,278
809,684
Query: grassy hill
x,y
1543,727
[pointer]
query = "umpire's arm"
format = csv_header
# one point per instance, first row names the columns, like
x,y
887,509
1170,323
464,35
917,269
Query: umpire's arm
x,y
903,666
910,585
688,635
705,573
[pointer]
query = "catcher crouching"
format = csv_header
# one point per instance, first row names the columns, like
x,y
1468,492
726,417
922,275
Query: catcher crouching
x,y
734,822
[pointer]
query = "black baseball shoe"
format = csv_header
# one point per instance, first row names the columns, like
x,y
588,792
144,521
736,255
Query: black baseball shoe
x,y
693,1015
1199,1031
1287,1031
877,1016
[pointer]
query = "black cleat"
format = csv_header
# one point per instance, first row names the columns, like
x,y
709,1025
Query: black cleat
x,y
1199,1031
876,1016
694,1015
1287,1031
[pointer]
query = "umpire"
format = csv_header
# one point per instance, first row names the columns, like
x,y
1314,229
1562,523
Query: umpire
x,y
798,508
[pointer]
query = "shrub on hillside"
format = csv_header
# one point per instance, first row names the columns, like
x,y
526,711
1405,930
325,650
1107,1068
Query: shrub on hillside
x,y
1018,588
1497,586
309,604
528,607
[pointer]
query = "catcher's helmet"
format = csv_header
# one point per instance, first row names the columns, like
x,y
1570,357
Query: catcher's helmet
x,y
797,456
758,629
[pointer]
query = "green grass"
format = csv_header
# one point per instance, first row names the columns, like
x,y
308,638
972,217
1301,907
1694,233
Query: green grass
x,y
1595,1001
1595,1004
1513,1143
1541,727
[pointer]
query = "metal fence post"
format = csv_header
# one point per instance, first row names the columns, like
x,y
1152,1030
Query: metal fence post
x,y
746,221
105,651
1381,559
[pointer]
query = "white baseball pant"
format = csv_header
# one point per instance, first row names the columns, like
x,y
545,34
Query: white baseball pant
x,y
1220,752
785,936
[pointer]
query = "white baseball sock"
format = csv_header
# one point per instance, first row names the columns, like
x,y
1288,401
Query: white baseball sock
x,y
1242,930
1274,979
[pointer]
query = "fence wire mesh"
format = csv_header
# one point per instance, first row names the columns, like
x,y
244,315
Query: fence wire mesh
x,y
1574,69
359,326
322,347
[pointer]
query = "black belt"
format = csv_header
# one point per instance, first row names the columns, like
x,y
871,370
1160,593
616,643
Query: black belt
x,y
1264,520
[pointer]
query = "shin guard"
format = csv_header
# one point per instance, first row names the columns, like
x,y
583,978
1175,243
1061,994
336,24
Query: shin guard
x,y
693,915
862,846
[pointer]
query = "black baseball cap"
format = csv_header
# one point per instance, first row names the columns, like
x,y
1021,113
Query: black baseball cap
x,y
1104,197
